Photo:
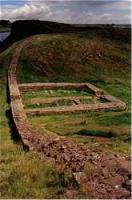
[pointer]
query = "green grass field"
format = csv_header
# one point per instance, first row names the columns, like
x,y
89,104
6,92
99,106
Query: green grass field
x,y
72,58
23,174
81,58
82,127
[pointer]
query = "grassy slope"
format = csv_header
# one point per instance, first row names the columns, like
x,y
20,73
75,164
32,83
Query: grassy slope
x,y
115,127
78,58
22,173
4,29
82,58
75,58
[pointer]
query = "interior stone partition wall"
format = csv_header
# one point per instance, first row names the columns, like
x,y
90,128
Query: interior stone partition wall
x,y
112,103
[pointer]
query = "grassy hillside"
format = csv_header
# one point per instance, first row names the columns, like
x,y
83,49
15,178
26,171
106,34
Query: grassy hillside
x,y
78,58
82,55
81,58
4,29
24,28
23,174
57,58
5,26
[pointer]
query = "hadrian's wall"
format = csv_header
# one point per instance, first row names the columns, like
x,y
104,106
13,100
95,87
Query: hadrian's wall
x,y
55,148
73,155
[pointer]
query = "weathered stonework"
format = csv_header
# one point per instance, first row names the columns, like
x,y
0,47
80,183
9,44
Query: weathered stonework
x,y
56,148
54,86
75,108
71,155
29,137
112,103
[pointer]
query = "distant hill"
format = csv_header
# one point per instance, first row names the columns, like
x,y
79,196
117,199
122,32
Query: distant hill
x,y
74,57
25,28
102,25
5,23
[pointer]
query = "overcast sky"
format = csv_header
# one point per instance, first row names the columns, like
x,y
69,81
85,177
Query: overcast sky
x,y
75,11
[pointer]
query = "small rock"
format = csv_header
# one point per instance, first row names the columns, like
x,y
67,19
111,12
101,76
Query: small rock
x,y
124,168
114,181
66,158
127,185
80,177
117,186
71,194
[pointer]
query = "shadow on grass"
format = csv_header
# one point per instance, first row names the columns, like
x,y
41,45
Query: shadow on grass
x,y
105,134
13,130
15,136
14,133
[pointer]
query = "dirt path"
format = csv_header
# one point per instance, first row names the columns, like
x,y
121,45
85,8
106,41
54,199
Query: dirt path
x,y
98,174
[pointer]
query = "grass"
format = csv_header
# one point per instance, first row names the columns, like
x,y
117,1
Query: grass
x,y
63,102
23,174
91,101
43,94
82,128
123,118
72,58
42,105
27,176
5,29
118,87
96,133
28,96
54,93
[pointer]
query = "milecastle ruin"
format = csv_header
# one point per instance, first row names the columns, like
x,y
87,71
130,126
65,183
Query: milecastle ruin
x,y
54,147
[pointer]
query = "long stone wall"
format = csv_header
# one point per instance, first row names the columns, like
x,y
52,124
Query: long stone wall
x,y
19,115
74,156
69,154
47,86
75,108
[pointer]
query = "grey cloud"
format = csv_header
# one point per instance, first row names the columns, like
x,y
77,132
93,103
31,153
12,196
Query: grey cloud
x,y
99,11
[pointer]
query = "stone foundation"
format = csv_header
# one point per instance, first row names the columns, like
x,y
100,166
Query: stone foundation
x,y
74,156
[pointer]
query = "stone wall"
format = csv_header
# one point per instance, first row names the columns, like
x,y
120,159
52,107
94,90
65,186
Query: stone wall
x,y
112,104
74,156
76,109
56,148
53,86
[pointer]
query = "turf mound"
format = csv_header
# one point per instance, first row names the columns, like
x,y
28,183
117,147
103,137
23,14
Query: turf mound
x,y
74,58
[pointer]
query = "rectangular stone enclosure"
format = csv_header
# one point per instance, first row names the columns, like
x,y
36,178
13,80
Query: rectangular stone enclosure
x,y
107,102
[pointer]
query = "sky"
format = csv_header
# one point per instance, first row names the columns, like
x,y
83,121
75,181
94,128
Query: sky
x,y
74,12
